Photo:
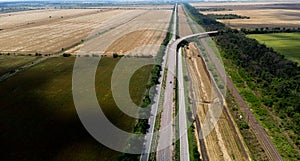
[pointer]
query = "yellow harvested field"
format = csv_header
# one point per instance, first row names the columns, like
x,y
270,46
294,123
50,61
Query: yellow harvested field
x,y
140,35
48,37
262,14
223,3
137,40
144,7
15,19
135,31
262,18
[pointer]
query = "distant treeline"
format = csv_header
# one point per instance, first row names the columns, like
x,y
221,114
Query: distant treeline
x,y
7,10
214,9
277,78
30,5
227,16
266,30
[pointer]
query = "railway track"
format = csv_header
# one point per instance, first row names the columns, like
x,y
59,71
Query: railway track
x,y
258,130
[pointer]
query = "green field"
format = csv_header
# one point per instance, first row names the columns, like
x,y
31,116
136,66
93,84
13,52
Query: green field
x,y
286,44
10,62
38,117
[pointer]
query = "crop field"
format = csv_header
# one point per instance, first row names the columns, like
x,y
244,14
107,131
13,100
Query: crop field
x,y
48,37
286,44
268,14
238,5
41,121
18,19
139,7
262,18
140,35
38,33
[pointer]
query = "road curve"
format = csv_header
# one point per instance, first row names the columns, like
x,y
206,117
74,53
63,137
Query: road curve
x,y
166,133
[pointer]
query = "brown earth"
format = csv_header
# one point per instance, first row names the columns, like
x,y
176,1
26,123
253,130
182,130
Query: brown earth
x,y
221,143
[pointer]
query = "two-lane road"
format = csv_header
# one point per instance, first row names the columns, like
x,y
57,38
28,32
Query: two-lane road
x,y
164,147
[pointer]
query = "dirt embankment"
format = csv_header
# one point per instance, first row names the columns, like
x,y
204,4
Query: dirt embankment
x,y
221,143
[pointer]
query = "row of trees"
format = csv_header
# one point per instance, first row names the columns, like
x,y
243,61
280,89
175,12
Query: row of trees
x,y
227,16
277,78
214,9
265,30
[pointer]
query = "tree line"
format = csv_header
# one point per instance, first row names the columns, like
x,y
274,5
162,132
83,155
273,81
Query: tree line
x,y
266,30
214,9
227,16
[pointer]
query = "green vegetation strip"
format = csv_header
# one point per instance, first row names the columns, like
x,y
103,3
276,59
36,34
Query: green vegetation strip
x,y
8,63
